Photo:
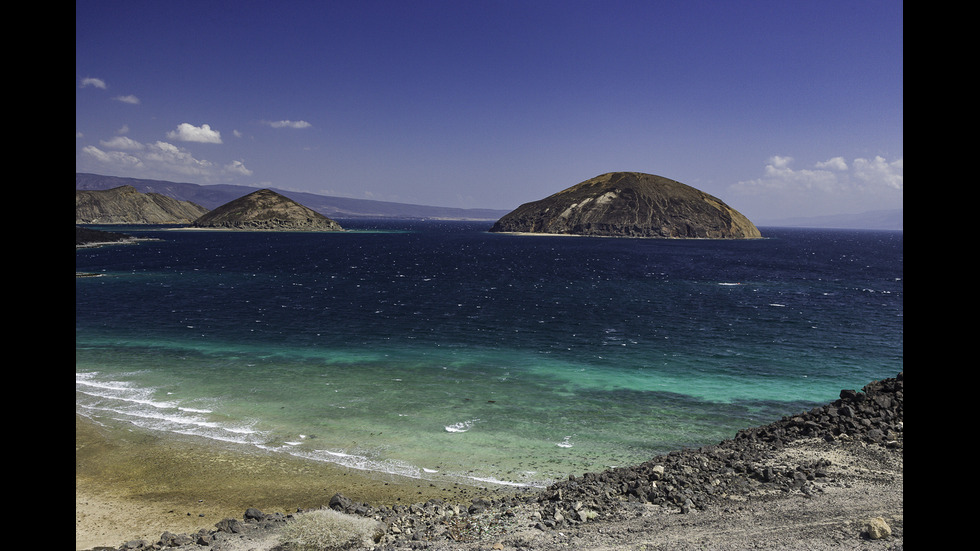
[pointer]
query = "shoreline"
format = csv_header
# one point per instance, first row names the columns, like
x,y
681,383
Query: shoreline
x,y
132,485
830,478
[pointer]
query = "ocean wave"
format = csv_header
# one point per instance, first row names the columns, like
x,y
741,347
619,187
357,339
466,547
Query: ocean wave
x,y
352,461
125,402
461,427
498,482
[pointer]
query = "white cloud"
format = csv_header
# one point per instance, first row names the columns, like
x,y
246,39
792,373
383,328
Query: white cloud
x,y
237,167
187,132
96,82
833,176
878,172
779,175
175,158
833,186
128,99
159,159
122,142
289,124
837,163
117,159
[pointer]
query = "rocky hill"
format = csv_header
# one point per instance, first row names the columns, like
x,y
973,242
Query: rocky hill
x,y
266,210
126,205
630,204
215,195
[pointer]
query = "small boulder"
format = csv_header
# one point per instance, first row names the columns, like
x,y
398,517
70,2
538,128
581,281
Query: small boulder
x,y
229,526
253,514
877,529
340,502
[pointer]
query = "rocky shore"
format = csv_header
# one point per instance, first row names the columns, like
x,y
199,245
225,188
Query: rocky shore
x,y
828,478
87,237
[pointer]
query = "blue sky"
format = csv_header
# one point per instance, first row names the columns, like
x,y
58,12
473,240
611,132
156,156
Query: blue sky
x,y
780,108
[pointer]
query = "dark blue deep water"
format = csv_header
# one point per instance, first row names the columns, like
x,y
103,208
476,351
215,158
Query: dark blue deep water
x,y
439,350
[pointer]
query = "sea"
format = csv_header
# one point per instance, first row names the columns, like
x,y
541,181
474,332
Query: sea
x,y
440,351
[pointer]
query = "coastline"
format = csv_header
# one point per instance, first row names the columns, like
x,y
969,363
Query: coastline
x,y
131,485
827,479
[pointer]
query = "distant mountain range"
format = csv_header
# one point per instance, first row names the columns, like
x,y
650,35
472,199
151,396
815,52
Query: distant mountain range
x,y
213,196
871,220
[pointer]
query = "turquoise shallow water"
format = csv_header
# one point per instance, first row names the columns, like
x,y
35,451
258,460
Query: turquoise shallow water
x,y
440,351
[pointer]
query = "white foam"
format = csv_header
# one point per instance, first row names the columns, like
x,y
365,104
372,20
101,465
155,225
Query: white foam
x,y
195,410
461,427
497,481
128,403
353,461
135,405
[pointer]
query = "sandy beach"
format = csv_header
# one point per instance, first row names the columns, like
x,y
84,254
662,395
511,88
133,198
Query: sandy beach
x,y
131,485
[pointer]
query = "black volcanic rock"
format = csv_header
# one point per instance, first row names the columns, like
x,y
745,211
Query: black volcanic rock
x,y
630,204
88,236
126,205
266,210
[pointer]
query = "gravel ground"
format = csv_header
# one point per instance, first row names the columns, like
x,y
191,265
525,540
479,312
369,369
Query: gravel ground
x,y
863,483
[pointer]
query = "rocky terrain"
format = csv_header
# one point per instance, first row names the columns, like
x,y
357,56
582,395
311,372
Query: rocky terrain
x,y
266,210
630,204
828,478
126,205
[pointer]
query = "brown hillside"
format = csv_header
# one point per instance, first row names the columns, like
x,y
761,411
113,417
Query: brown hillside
x,y
266,210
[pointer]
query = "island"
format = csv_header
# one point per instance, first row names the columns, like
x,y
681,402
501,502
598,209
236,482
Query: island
x,y
266,210
630,204
124,205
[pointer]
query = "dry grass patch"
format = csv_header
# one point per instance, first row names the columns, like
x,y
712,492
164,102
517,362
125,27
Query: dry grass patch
x,y
326,529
